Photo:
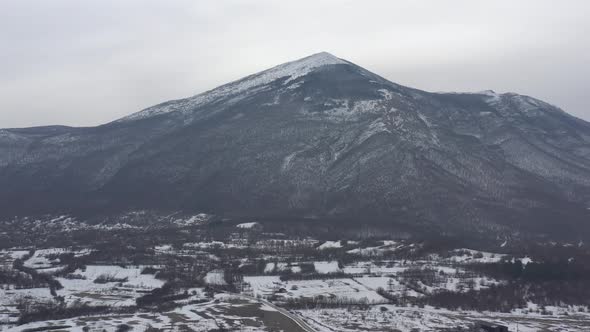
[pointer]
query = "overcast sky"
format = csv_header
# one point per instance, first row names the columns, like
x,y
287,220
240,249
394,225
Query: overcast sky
x,y
89,62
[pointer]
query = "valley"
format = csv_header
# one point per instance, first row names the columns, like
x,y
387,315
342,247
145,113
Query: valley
x,y
204,273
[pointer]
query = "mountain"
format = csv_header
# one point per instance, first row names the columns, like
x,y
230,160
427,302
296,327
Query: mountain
x,y
319,137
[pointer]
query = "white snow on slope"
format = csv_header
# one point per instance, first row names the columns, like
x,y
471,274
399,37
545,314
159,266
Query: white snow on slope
x,y
326,267
247,225
330,244
131,284
290,70
465,255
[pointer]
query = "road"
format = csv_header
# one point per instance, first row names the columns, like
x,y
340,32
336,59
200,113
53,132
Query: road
x,y
296,319
300,322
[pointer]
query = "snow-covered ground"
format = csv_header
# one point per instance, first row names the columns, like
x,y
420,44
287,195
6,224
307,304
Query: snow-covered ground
x,y
11,297
225,312
368,267
46,260
386,247
475,256
346,272
7,257
130,286
341,288
40,260
326,267
248,225
409,319
330,245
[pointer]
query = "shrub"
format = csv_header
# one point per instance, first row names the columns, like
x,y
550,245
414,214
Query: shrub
x,y
106,278
123,328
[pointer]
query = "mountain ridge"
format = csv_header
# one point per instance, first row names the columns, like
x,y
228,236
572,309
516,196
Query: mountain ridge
x,y
292,70
321,137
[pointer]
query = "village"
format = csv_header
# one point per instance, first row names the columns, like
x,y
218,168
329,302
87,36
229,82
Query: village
x,y
196,273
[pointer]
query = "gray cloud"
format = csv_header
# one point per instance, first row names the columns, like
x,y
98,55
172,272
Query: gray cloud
x,y
89,62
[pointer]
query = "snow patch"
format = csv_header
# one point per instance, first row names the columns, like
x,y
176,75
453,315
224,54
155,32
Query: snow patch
x,y
235,91
326,267
248,225
330,244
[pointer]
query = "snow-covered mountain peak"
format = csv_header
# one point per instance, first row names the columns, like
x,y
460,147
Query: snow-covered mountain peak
x,y
311,62
288,71
324,137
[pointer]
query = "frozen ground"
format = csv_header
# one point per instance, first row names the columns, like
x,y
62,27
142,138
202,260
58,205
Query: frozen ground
x,y
351,285
326,267
386,318
335,289
47,260
224,313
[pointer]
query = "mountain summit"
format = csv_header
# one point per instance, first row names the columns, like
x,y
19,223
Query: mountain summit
x,y
318,137
286,72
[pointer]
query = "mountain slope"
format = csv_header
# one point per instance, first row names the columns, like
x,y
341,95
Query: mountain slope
x,y
317,137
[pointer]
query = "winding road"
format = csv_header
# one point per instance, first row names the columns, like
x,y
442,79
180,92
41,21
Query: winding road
x,y
300,322
296,319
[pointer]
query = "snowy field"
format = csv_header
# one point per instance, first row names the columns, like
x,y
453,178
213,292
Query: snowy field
x,y
342,288
386,318
222,313
7,257
47,260
368,285
130,285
